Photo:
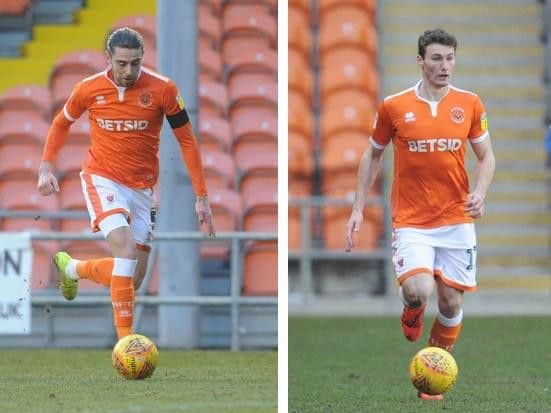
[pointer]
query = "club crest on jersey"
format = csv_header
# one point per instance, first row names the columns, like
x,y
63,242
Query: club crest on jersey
x,y
100,100
458,114
145,99
409,117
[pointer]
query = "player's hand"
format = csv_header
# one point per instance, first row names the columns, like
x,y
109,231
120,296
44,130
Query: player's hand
x,y
47,182
474,205
204,215
353,225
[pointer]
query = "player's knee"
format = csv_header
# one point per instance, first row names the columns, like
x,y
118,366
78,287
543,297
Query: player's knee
x,y
416,294
122,243
139,275
450,304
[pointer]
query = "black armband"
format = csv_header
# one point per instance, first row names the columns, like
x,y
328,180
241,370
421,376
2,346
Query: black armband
x,y
179,119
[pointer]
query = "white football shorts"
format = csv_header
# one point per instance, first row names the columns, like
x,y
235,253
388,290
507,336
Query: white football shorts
x,y
448,252
105,198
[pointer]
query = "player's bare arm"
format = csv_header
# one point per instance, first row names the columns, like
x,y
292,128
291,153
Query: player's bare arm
x,y
204,214
370,165
474,204
47,182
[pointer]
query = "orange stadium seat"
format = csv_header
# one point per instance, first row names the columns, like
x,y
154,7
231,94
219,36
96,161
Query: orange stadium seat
x,y
71,157
14,7
336,217
259,176
234,45
254,124
340,158
22,127
210,65
210,28
346,74
304,5
300,115
42,266
347,26
145,24
61,87
81,62
247,19
71,196
260,212
363,6
251,60
27,98
300,74
347,54
260,262
213,99
226,206
347,110
21,194
19,159
343,151
299,187
300,155
215,133
212,6
219,169
260,269
262,113
262,163
299,31
252,89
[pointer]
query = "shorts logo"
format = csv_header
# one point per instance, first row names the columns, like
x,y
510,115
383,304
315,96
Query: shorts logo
x,y
458,115
145,99
400,262
110,197
409,117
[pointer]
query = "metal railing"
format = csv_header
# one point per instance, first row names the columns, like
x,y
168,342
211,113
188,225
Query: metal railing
x,y
234,300
307,253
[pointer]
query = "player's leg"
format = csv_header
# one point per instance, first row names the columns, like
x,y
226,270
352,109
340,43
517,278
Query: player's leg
x,y
414,293
413,263
123,246
447,324
455,269
141,267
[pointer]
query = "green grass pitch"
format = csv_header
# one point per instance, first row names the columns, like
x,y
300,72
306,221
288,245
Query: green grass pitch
x,y
81,380
360,365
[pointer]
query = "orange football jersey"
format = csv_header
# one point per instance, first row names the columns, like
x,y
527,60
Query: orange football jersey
x,y
430,183
125,124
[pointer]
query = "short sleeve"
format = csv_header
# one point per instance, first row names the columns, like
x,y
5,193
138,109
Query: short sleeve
x,y
382,128
173,103
479,124
76,104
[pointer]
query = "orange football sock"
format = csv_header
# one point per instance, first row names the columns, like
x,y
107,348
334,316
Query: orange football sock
x,y
98,270
442,336
122,297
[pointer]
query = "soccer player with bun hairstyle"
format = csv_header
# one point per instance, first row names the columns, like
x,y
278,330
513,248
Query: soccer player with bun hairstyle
x,y
433,206
126,104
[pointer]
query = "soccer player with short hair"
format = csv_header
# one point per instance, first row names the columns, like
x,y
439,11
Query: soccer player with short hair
x,y
433,207
126,104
